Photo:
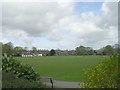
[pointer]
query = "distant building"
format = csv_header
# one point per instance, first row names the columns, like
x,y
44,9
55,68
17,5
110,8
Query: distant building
x,y
40,55
31,55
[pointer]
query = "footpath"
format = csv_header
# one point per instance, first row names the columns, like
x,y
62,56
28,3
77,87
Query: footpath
x,y
60,84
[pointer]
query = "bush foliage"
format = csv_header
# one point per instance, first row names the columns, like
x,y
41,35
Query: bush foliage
x,y
9,81
19,75
103,75
21,71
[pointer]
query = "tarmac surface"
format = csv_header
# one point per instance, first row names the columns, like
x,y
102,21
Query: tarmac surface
x,y
60,84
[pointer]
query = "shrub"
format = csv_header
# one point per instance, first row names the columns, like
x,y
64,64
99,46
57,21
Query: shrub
x,y
103,75
21,71
19,75
9,81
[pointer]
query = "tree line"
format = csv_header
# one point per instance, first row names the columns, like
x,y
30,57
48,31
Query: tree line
x,y
10,50
107,50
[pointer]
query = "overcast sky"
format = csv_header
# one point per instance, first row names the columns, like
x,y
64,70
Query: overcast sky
x,y
63,25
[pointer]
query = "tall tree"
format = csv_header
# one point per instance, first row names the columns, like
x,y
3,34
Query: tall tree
x,y
18,51
77,51
8,49
52,52
108,50
81,50
34,49
89,51
25,49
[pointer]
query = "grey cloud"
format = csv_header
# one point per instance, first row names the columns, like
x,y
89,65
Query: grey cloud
x,y
34,18
109,15
27,20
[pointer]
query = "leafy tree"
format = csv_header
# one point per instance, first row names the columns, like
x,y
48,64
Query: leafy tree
x,y
81,50
17,75
9,81
8,49
89,51
20,71
52,52
34,49
77,51
103,75
100,51
18,51
108,50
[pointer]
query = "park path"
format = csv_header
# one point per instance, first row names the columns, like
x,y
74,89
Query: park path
x,y
64,84
61,84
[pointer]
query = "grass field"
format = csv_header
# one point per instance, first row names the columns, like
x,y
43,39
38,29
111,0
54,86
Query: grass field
x,y
65,68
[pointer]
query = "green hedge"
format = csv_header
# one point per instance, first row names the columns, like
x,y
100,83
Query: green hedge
x,y
103,75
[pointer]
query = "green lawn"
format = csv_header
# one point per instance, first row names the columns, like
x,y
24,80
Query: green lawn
x,y
65,68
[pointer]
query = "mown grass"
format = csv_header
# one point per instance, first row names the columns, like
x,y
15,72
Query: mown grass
x,y
65,68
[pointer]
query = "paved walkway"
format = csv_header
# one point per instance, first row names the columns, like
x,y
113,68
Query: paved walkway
x,y
61,84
